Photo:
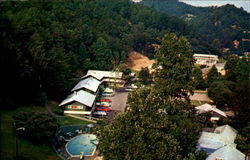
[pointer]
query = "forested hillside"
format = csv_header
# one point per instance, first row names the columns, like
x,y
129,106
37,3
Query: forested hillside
x,y
47,45
218,25
224,25
174,7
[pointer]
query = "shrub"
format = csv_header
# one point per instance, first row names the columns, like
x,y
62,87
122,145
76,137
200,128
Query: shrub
x,y
39,127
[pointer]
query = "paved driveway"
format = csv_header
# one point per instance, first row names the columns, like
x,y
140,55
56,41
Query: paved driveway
x,y
119,100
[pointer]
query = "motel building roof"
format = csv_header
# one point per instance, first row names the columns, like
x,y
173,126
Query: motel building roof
x,y
220,137
103,74
89,83
227,152
81,96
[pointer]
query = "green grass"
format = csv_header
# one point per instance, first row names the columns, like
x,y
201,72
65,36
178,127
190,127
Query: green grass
x,y
27,149
64,121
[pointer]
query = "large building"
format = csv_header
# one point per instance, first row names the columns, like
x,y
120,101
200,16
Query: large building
x,y
206,59
82,99
79,102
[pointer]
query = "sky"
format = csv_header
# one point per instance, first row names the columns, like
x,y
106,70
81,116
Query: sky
x,y
203,3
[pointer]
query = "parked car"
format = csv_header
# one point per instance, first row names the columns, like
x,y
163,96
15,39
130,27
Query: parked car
x,y
128,89
106,109
108,94
100,113
103,104
105,100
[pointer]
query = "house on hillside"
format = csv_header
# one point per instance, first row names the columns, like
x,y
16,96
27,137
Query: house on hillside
x,y
219,142
79,102
106,77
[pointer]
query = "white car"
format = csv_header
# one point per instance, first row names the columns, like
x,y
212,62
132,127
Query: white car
x,y
100,113
108,94
128,89
106,104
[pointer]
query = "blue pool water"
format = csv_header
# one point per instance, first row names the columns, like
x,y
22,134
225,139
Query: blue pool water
x,y
85,143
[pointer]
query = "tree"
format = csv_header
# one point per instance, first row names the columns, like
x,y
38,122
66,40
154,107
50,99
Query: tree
x,y
176,62
102,55
39,127
159,122
237,69
200,82
212,76
144,135
221,93
144,75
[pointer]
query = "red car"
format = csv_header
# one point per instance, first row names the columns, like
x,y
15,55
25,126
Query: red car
x,y
105,100
106,109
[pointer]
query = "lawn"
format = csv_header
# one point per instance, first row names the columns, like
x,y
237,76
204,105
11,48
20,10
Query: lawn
x,y
27,149
64,121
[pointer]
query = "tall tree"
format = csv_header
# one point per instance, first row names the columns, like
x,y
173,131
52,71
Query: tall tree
x,y
159,123
198,77
175,64
237,69
222,92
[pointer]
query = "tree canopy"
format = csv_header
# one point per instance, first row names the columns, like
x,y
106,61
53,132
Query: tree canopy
x,y
47,45
159,122
175,64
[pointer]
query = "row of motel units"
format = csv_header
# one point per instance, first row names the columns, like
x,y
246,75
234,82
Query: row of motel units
x,y
206,59
82,99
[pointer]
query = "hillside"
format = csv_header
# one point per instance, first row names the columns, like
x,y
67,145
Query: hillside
x,y
218,25
47,45
223,25
175,7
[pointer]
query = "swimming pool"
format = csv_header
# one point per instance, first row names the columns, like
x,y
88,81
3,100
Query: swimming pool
x,y
84,144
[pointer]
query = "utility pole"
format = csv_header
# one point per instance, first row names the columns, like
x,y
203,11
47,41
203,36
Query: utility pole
x,y
20,128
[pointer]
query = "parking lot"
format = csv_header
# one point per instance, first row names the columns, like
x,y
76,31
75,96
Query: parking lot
x,y
118,102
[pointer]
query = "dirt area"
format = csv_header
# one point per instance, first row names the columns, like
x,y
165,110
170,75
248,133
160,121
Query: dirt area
x,y
136,61
200,97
